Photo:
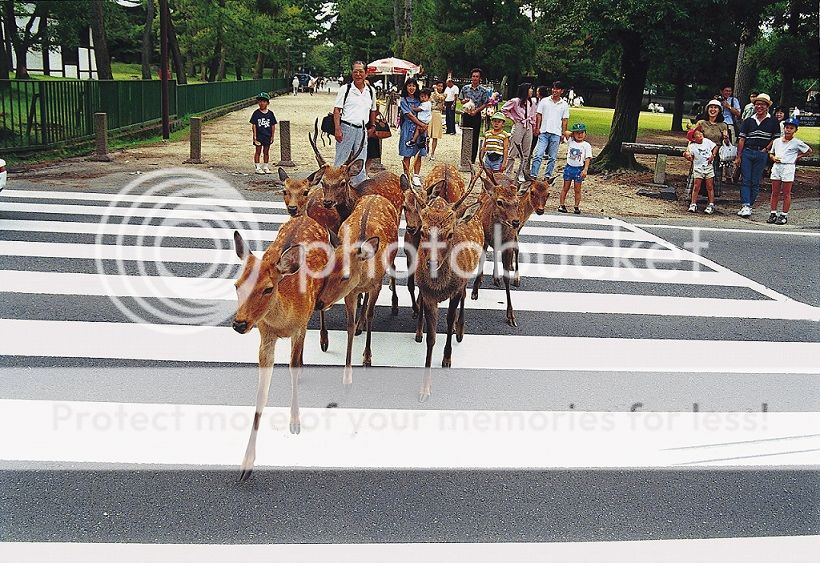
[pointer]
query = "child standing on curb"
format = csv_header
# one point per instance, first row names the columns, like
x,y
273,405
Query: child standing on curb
x,y
785,153
702,152
496,148
263,126
579,155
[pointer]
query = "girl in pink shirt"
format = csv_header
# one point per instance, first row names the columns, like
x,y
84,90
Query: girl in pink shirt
x,y
521,110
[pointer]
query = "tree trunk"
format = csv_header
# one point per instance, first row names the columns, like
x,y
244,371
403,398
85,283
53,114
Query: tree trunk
x,y
634,68
259,68
8,29
217,59
220,73
5,63
744,71
100,42
148,40
176,55
677,110
398,13
238,71
788,66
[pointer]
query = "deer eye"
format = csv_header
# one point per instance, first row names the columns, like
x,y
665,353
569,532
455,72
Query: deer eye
x,y
499,203
305,193
450,236
284,192
267,291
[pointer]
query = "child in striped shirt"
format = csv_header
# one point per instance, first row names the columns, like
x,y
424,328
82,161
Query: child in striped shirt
x,y
496,147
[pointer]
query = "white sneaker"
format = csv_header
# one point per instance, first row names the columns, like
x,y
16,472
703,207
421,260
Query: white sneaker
x,y
745,211
693,208
416,180
266,169
259,170
709,209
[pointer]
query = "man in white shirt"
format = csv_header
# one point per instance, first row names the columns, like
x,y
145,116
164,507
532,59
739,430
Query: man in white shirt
x,y
355,107
550,122
450,96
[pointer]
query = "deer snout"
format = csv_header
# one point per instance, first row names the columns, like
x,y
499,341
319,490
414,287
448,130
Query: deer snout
x,y
240,326
515,223
320,305
327,203
292,210
539,211
412,230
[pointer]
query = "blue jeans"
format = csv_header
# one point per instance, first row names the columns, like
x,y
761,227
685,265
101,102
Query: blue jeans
x,y
547,143
351,138
752,163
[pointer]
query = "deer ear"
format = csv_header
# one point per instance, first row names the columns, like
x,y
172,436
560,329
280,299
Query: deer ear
x,y
368,248
291,260
469,213
240,246
316,177
354,168
404,183
334,239
524,188
282,174
489,187
437,189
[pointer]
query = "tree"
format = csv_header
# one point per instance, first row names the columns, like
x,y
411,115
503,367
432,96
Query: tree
x,y
101,55
24,39
148,40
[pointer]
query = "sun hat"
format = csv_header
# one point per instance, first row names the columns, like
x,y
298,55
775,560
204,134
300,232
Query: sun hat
x,y
763,98
263,96
578,127
791,121
498,115
713,103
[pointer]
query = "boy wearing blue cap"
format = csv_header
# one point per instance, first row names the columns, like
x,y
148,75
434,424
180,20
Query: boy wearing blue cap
x,y
263,126
785,153
579,155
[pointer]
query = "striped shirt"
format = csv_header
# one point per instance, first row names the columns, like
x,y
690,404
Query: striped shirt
x,y
494,142
759,135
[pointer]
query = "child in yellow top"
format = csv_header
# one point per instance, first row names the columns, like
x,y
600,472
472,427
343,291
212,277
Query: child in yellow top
x,y
496,148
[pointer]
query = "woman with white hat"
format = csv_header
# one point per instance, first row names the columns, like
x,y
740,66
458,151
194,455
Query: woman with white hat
x,y
715,130
756,136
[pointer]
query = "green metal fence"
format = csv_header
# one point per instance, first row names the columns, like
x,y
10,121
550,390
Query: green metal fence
x,y
44,113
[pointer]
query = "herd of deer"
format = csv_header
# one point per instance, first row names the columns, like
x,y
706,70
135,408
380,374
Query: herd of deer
x,y
360,224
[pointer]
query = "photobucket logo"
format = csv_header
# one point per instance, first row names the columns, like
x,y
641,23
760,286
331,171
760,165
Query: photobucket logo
x,y
145,270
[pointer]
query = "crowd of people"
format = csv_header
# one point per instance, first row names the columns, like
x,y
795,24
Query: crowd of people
x,y
726,143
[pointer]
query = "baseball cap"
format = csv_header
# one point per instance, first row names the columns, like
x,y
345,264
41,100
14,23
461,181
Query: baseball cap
x,y
499,115
578,127
263,96
792,121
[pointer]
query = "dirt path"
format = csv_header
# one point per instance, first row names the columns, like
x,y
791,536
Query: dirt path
x,y
227,148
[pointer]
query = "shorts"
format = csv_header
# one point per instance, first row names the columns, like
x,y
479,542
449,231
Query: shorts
x,y
494,165
783,172
573,173
264,142
704,173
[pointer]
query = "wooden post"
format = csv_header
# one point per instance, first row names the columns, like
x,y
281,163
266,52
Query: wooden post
x,y
196,141
660,169
101,131
377,165
284,145
164,16
466,149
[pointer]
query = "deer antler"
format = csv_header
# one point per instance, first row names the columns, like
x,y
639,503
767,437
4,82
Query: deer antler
x,y
319,159
353,156
489,174
473,179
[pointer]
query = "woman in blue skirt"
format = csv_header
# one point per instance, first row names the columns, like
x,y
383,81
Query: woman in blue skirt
x,y
409,101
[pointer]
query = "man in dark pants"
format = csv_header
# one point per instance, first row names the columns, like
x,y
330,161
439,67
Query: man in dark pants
x,y
757,133
451,93
474,92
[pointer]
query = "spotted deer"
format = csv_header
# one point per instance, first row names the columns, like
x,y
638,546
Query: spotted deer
x,y
279,304
449,252
500,212
368,242
338,192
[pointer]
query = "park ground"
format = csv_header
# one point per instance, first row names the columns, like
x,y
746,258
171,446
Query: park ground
x,y
226,147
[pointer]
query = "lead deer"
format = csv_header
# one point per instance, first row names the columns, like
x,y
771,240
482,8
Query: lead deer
x,y
368,246
279,304
449,252
500,214
534,199
338,192
304,197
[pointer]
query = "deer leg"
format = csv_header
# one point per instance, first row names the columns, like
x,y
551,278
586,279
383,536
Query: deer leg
x,y
367,360
431,320
360,323
296,348
323,342
411,287
266,348
446,361
460,321
496,277
419,320
350,318
517,276
480,275
508,258
394,300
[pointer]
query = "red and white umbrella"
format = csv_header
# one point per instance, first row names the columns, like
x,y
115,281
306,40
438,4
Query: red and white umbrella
x,y
392,65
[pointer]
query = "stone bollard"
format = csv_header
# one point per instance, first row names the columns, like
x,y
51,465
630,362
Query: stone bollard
x,y
196,141
101,131
660,169
466,149
377,165
284,145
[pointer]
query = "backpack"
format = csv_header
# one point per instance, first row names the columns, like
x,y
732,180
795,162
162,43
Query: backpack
x,y
328,127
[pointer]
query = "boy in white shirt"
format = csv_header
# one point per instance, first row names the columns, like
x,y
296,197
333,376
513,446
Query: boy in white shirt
x,y
701,152
579,155
785,152
424,113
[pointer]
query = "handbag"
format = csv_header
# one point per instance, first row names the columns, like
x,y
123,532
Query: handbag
x,y
727,153
382,129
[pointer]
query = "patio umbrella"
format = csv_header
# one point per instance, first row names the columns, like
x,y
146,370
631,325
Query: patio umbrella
x,y
392,65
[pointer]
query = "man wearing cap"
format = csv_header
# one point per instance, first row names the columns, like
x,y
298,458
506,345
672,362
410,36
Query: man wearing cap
x,y
552,115
355,109
756,136
480,98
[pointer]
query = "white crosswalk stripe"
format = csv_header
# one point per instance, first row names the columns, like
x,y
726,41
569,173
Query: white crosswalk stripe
x,y
81,327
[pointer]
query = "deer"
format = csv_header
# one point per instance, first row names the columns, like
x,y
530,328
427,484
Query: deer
x,y
534,199
338,192
449,252
279,303
305,197
368,246
500,212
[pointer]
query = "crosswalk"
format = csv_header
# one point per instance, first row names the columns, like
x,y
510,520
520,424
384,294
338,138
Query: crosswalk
x,y
631,354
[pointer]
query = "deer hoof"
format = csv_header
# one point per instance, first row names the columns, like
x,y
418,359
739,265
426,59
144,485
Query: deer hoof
x,y
516,282
446,362
347,378
245,474
367,362
419,338
358,331
424,394
460,333
295,425
474,295
497,282
323,344
511,321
